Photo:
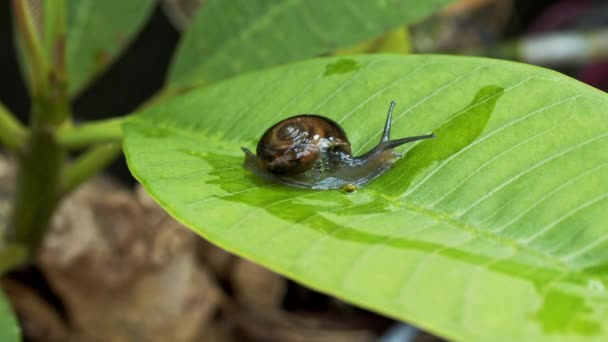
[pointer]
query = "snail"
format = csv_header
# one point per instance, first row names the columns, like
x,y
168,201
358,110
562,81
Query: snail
x,y
312,151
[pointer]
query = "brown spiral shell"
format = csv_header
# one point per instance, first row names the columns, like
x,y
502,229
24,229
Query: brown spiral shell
x,y
295,144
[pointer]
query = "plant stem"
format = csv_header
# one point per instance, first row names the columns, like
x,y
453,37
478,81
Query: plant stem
x,y
42,158
102,131
37,190
41,180
33,49
108,133
12,133
94,160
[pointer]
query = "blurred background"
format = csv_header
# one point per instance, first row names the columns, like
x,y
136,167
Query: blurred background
x,y
570,36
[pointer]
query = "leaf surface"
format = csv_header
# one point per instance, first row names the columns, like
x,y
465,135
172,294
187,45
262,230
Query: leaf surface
x,y
98,31
9,330
227,38
495,230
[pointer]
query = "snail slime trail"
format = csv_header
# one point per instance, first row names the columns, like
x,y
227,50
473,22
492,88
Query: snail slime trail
x,y
313,152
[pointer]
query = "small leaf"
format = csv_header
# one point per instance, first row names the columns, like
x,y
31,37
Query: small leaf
x,y
9,329
495,230
229,37
98,31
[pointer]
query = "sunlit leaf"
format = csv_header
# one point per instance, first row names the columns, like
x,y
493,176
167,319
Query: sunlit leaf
x,y
495,230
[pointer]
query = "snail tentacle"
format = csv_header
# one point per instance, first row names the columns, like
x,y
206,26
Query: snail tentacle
x,y
386,134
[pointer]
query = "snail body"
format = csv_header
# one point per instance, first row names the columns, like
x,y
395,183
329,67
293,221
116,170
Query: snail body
x,y
312,151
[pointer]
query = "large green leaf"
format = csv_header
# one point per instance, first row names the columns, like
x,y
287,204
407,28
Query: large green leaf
x,y
9,330
230,37
98,31
495,230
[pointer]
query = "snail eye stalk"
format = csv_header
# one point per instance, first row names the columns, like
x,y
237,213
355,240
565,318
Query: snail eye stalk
x,y
386,135
386,143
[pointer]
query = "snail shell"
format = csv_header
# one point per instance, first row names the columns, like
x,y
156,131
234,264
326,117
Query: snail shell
x,y
296,144
312,151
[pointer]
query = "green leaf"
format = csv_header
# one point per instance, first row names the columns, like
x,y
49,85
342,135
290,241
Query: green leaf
x,y
495,230
229,37
9,329
98,31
